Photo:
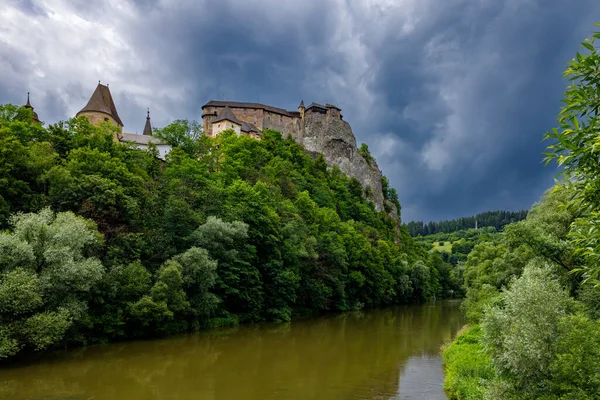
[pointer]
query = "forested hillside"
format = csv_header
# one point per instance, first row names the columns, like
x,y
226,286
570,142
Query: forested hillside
x,y
533,294
495,219
103,241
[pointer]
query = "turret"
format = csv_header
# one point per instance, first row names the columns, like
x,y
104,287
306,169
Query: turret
x,y
301,109
101,107
148,127
29,106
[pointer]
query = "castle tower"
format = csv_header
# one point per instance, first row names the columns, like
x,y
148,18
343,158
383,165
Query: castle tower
x,y
101,107
28,106
301,110
148,127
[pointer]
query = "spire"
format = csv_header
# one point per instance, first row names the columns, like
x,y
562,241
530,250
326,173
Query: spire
x,y
148,127
302,103
28,105
102,101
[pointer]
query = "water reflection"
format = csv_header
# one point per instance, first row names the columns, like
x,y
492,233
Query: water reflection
x,y
380,354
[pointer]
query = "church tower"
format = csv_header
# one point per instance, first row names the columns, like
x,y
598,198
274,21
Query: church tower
x,y
148,127
101,107
29,106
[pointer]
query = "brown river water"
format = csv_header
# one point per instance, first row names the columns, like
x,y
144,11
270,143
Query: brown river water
x,y
390,353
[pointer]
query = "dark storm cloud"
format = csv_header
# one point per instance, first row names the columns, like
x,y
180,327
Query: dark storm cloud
x,y
504,72
452,97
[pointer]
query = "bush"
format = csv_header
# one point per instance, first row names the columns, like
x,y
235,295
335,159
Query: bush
x,y
466,365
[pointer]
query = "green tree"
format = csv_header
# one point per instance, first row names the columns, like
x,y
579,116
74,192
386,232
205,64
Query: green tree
x,y
573,147
183,134
47,277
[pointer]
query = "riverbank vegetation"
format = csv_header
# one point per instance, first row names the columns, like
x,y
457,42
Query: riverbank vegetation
x,y
101,241
532,294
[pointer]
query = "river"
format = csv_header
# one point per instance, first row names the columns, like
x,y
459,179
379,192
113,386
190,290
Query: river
x,y
390,353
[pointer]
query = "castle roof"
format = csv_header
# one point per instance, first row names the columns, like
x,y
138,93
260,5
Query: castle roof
x,y
140,139
323,107
102,101
29,106
148,127
316,105
227,115
248,127
238,104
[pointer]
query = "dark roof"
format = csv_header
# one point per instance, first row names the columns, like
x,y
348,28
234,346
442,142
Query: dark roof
x,y
301,103
316,105
148,127
248,127
227,115
238,104
102,101
332,106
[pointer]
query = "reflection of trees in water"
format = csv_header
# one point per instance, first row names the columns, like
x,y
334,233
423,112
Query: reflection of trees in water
x,y
355,355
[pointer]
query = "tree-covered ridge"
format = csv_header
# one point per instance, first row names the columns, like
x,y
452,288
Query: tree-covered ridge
x,y
227,230
497,219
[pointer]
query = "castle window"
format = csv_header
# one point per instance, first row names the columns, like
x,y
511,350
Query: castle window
x,y
106,119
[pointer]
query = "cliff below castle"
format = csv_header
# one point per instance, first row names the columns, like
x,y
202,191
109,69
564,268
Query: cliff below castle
x,y
335,140
318,128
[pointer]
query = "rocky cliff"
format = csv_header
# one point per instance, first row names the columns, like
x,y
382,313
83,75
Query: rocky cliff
x,y
334,139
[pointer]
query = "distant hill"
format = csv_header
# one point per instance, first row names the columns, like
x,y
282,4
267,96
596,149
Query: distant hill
x,y
497,219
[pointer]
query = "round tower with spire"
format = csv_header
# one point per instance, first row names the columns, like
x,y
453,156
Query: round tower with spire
x,y
101,108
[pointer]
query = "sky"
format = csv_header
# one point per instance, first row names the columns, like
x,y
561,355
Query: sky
x,y
453,97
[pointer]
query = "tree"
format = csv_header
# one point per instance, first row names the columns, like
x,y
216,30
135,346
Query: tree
x,y
183,134
47,276
574,147
520,334
238,283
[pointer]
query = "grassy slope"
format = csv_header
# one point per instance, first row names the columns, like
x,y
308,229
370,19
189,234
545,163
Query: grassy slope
x,y
466,365
443,246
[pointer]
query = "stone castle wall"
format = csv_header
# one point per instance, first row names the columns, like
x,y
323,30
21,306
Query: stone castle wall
x,y
281,123
96,117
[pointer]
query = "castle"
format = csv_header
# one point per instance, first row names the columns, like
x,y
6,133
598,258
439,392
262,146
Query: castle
x,y
252,118
248,119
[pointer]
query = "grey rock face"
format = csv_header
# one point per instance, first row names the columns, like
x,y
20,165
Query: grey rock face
x,y
334,139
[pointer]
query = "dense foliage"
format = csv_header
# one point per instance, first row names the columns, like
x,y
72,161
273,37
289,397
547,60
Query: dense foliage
x,y
103,241
454,247
533,294
495,219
